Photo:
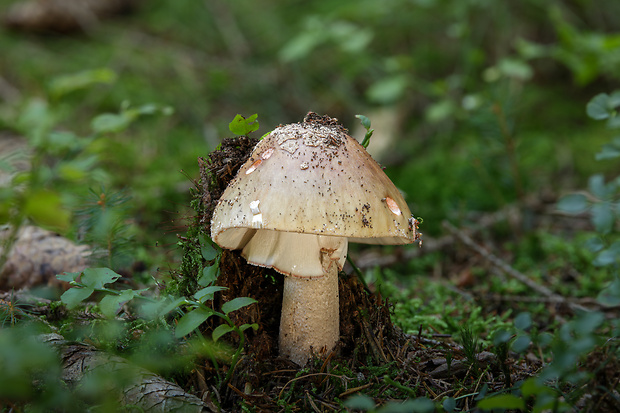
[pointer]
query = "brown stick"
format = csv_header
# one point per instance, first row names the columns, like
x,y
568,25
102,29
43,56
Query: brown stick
x,y
372,259
507,269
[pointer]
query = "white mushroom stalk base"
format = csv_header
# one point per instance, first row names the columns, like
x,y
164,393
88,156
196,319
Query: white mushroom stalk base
x,y
310,322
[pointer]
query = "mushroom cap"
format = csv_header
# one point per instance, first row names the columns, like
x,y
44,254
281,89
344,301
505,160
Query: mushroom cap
x,y
310,178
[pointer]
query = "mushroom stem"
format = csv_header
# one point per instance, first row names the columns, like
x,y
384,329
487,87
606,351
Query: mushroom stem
x,y
310,322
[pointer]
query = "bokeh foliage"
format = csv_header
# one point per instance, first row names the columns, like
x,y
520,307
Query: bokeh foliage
x,y
476,104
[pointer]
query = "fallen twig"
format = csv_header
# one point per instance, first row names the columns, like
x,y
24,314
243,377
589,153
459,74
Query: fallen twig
x,y
507,269
371,259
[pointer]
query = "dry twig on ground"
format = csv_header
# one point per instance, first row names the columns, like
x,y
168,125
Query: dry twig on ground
x,y
507,269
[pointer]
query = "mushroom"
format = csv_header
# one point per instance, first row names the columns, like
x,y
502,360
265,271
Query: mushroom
x,y
306,191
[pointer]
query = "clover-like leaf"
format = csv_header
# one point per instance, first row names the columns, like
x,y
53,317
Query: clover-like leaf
x,y
209,275
98,277
243,126
598,107
521,343
208,249
111,304
602,217
523,321
573,203
74,296
68,276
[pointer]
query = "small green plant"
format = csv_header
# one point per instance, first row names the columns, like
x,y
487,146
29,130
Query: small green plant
x,y
103,219
242,126
471,348
92,280
193,311
563,381
12,311
61,163
602,201
366,124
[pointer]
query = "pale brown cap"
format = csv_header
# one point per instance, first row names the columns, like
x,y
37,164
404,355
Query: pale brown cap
x,y
309,178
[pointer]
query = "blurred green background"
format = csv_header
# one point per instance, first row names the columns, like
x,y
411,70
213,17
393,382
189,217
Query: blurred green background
x,y
475,103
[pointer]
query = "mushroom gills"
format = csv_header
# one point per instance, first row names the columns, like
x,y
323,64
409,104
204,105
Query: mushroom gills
x,y
295,254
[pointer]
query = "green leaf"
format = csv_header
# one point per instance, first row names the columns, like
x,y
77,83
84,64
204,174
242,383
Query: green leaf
x,y
192,320
162,307
209,275
598,187
573,203
208,249
610,295
369,132
171,305
207,293
97,277
516,69
236,304
523,321
609,150
58,142
365,121
63,85
46,208
74,296
532,387
388,90
35,120
502,401
306,41
594,244
602,217
360,402
614,99
68,276
110,123
605,258
242,126
449,404
521,343
587,322
501,337
440,110
244,327
419,405
220,331
111,304
598,108
77,169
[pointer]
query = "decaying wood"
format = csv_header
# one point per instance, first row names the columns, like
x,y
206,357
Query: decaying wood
x,y
36,256
145,390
